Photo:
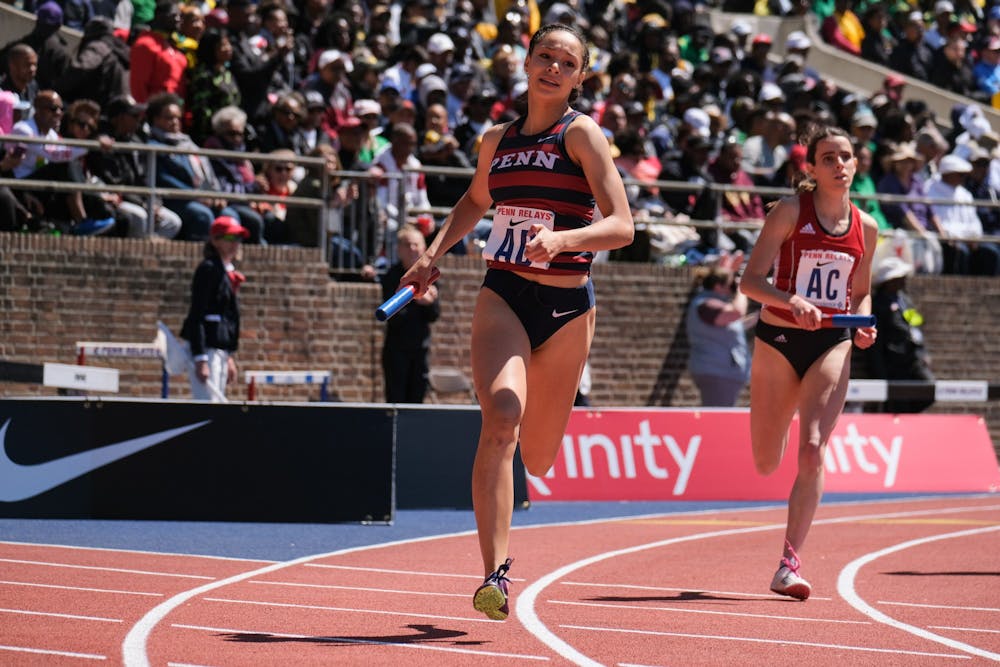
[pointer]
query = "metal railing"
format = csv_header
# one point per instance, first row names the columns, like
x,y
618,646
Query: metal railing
x,y
369,235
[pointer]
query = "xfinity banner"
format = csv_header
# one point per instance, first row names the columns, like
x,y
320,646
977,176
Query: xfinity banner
x,y
705,455
117,459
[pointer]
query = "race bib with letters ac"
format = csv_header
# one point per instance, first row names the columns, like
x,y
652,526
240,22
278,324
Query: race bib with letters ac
x,y
511,233
822,278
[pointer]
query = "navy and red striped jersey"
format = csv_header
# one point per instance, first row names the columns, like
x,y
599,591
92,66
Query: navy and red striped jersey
x,y
535,171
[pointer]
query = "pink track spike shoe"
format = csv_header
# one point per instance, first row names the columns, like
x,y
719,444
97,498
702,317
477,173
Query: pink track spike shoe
x,y
491,597
787,580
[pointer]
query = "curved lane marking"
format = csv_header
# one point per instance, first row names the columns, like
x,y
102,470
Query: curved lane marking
x,y
134,646
525,606
845,586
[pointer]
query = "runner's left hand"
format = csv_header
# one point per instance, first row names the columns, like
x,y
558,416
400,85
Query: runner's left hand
x,y
544,245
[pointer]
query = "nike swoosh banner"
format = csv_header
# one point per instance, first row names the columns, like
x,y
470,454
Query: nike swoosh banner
x,y
120,459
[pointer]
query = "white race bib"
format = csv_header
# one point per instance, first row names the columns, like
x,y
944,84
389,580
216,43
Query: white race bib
x,y
511,233
822,277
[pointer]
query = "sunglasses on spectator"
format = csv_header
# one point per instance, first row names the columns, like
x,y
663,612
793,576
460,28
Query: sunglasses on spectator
x,y
91,127
55,108
233,133
288,112
281,168
230,237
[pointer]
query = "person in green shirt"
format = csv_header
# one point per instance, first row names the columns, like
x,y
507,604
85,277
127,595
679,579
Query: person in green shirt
x,y
864,184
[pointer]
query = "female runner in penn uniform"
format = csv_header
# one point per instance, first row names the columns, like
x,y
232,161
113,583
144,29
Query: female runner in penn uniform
x,y
534,318
820,247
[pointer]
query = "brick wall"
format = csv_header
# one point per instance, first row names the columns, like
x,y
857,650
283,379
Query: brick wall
x,y
55,291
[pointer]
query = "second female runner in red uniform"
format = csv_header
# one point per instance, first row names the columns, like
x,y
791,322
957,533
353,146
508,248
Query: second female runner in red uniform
x,y
534,320
820,247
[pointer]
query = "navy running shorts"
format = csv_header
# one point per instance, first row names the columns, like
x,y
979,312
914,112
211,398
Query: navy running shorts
x,y
542,309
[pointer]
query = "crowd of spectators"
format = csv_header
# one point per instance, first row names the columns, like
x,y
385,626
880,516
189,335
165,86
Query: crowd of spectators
x,y
374,86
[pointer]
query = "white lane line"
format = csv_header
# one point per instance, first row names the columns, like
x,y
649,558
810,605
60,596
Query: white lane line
x,y
261,603
74,547
104,569
525,605
357,640
759,640
769,596
43,651
948,627
845,586
78,588
683,610
937,606
357,588
406,572
53,614
134,645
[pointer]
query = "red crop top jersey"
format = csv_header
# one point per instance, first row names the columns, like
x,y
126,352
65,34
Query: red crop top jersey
x,y
533,180
816,265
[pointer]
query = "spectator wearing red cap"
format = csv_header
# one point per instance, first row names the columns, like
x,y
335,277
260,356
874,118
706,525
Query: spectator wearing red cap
x,y
212,325
756,61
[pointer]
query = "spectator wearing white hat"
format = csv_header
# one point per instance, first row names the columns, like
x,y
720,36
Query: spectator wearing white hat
x,y
373,142
331,81
898,352
936,35
798,43
960,222
440,52
741,31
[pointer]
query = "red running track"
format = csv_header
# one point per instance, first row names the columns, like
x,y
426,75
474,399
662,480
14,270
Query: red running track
x,y
905,582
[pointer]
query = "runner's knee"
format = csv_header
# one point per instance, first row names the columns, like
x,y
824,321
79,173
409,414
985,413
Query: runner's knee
x,y
811,456
502,415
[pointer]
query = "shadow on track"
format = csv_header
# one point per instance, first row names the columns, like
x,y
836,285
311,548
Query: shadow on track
x,y
423,634
684,596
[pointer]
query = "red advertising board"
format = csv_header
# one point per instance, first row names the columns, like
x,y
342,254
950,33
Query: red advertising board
x,y
664,454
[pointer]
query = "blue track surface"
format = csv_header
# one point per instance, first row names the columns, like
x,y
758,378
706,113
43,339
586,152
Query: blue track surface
x,y
284,541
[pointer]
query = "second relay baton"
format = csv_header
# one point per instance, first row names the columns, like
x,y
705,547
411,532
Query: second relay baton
x,y
398,301
834,321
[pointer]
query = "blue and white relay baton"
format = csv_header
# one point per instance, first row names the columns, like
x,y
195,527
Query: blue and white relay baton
x,y
853,321
403,296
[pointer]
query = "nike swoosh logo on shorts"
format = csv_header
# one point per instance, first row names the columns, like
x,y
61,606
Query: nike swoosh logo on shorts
x,y
20,482
515,224
557,314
